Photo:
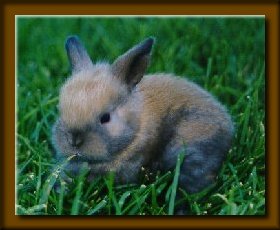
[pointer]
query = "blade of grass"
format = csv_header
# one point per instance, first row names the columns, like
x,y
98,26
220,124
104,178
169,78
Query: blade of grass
x,y
139,201
99,206
33,210
39,181
154,197
61,196
19,171
48,185
36,110
175,184
112,197
123,198
76,202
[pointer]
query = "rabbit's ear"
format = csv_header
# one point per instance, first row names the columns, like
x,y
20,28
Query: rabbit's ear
x,y
77,55
131,66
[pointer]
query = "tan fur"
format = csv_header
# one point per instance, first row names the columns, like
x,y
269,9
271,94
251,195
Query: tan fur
x,y
88,92
150,122
156,95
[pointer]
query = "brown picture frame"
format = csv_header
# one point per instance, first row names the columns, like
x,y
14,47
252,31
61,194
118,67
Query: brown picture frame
x,y
11,221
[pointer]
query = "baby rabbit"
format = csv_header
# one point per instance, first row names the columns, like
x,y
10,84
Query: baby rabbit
x,y
116,119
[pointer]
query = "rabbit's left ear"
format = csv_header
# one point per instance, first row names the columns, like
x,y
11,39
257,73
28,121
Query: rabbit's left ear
x,y
77,55
131,66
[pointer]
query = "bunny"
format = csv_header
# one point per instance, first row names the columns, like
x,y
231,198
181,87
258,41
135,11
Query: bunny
x,y
118,120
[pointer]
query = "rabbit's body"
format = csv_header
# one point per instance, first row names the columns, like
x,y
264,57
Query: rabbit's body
x,y
149,123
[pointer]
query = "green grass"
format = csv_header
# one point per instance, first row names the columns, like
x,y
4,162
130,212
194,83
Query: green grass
x,y
224,55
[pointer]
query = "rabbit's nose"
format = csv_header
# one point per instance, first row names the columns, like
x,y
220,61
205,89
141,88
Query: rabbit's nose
x,y
76,139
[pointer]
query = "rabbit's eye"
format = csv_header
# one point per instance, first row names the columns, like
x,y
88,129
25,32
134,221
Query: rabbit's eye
x,y
105,118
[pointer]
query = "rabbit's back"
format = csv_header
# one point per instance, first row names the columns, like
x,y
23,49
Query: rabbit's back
x,y
180,116
170,102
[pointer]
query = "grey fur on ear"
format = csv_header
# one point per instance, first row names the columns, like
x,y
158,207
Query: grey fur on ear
x,y
131,66
77,54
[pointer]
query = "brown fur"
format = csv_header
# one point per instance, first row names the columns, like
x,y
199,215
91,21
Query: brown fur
x,y
150,122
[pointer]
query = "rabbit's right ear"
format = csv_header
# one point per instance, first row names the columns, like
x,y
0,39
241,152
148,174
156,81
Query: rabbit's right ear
x,y
77,55
131,66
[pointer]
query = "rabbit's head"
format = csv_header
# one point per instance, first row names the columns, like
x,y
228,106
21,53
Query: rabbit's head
x,y
98,118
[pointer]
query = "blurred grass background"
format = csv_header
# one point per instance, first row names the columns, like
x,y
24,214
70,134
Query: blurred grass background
x,y
226,56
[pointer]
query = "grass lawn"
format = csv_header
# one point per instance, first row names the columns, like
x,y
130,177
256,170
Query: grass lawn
x,y
226,56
